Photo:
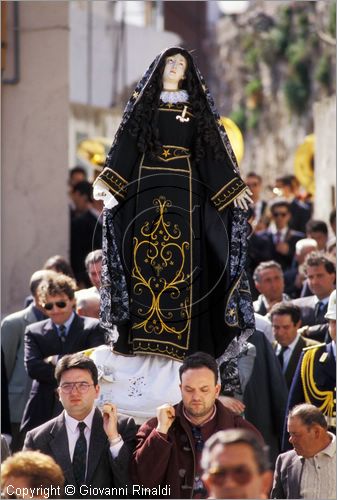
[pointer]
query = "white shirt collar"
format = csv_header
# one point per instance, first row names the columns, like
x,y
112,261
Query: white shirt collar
x,y
72,423
290,346
67,323
331,448
324,301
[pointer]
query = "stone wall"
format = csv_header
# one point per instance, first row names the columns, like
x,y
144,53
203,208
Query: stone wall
x,y
35,150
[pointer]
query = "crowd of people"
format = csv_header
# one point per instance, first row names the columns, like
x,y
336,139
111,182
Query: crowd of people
x,y
210,443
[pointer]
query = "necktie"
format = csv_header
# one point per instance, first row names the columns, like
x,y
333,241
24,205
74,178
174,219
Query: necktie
x,y
280,355
80,455
62,333
278,237
198,439
319,312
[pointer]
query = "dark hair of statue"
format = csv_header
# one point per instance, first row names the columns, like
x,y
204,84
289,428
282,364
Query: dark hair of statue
x,y
143,122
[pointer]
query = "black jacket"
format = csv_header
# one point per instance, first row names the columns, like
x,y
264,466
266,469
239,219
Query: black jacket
x,y
103,471
42,341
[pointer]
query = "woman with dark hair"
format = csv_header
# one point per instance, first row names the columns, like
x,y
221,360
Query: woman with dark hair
x,y
174,242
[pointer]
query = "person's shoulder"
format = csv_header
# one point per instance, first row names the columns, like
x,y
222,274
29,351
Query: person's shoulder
x,y
16,316
315,347
125,420
309,342
45,428
294,233
39,326
304,301
86,322
288,457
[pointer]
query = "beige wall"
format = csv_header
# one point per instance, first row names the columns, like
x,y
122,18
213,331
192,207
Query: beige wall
x,y
35,150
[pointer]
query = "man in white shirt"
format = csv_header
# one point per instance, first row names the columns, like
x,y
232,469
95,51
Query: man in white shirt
x,y
309,470
92,447
288,345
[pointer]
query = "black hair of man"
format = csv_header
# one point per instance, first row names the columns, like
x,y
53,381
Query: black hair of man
x,y
78,361
84,188
278,203
199,360
256,176
288,180
236,436
315,259
77,170
286,308
59,264
316,226
309,415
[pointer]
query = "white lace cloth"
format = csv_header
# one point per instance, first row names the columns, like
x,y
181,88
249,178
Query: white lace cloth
x,y
174,96
137,385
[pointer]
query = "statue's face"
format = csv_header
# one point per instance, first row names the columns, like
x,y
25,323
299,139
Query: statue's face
x,y
174,71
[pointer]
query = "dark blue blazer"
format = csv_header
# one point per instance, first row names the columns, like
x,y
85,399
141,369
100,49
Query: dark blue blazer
x,y
42,341
324,374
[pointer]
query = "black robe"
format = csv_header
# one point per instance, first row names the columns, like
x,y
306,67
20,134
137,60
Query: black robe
x,y
173,231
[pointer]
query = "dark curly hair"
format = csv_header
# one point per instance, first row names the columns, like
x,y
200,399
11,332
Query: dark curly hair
x,y
143,122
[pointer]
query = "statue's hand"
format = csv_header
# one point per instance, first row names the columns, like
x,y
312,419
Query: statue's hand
x,y
244,199
101,192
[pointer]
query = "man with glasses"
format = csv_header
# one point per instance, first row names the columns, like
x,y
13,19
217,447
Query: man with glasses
x,y
46,341
235,465
92,447
169,447
280,239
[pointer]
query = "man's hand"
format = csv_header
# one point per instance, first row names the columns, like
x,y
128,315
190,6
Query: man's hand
x,y
109,414
233,404
244,199
165,416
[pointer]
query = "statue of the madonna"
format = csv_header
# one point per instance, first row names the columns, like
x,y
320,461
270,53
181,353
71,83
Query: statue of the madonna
x,y
175,230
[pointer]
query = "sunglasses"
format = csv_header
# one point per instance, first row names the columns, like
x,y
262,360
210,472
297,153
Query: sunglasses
x,y
61,304
241,474
280,214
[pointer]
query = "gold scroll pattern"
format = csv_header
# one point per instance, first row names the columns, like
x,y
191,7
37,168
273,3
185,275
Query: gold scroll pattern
x,y
164,248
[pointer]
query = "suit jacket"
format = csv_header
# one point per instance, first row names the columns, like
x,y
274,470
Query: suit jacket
x,y
318,329
102,470
291,238
85,236
42,341
300,214
287,476
12,341
266,389
294,358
